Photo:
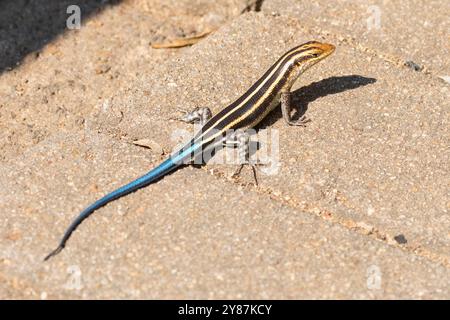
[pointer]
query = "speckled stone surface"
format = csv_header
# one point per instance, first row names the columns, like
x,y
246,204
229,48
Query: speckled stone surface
x,y
399,31
359,207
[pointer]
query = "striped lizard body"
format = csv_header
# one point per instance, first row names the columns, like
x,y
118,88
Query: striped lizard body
x,y
246,112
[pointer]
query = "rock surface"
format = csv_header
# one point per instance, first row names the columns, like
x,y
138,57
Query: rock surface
x,y
359,205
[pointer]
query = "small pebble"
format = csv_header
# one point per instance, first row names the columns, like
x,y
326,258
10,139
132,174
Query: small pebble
x,y
400,239
414,66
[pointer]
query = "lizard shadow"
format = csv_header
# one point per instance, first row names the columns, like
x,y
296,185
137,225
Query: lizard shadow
x,y
303,96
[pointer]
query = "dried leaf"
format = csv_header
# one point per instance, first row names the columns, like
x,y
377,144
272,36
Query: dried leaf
x,y
181,42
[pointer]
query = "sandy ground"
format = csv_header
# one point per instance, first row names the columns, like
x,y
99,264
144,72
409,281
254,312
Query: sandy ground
x,y
359,205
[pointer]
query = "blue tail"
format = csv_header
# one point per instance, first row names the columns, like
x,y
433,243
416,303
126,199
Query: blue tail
x,y
161,170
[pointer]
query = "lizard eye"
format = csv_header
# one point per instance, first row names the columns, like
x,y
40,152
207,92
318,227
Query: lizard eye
x,y
315,55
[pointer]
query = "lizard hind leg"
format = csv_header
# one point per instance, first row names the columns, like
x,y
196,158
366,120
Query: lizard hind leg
x,y
241,139
198,115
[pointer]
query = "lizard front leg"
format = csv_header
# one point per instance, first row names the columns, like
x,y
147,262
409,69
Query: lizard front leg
x,y
286,108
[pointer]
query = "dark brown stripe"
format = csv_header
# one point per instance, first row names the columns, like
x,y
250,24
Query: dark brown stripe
x,y
219,122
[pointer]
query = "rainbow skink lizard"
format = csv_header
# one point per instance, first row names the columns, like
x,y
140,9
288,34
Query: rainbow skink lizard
x,y
246,112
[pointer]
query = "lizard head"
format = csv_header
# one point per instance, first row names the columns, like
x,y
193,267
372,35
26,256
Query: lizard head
x,y
309,53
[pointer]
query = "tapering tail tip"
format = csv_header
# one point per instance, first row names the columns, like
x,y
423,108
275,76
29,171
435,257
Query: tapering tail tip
x,y
54,252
